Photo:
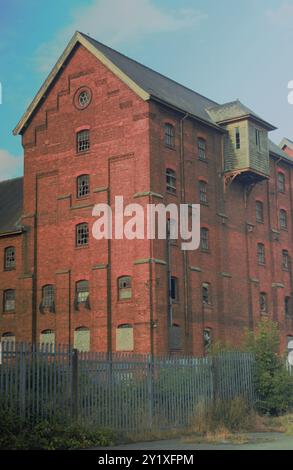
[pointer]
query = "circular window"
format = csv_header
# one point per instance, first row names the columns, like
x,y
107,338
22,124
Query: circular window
x,y
82,98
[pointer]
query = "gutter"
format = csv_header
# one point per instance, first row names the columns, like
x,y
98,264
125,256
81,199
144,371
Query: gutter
x,y
8,233
182,111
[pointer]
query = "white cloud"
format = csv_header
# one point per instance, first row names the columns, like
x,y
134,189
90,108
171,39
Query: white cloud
x,y
10,165
115,22
282,15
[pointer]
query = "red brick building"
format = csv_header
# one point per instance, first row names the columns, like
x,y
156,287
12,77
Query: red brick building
x,y
104,125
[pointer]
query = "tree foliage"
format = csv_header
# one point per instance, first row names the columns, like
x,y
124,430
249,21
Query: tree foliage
x,y
273,383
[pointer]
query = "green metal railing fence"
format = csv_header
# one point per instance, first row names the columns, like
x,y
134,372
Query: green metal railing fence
x,y
124,392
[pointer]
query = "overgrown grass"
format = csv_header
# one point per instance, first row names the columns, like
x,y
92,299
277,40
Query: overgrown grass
x,y
18,434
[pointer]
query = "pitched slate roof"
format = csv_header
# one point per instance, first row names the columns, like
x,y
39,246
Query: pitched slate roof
x,y
11,197
234,110
145,81
276,150
157,85
285,142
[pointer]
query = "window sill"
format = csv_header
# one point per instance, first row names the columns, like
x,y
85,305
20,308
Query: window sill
x,y
170,147
203,250
7,270
204,160
11,312
82,198
85,152
82,247
170,192
205,204
125,301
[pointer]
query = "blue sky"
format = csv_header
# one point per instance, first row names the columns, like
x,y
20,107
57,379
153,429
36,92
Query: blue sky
x,y
223,49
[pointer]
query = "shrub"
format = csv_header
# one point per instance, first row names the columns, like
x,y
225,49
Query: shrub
x,y
17,434
273,383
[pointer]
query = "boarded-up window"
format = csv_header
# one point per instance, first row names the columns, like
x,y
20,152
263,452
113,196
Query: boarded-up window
x,y
175,337
124,338
47,338
290,342
9,300
82,339
281,182
8,341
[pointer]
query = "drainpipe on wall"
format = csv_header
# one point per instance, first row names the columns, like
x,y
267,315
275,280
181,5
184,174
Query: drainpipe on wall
x,y
152,346
69,309
183,200
35,273
109,281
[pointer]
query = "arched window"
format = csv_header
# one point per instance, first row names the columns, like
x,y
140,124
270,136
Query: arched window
x,y
82,295
206,293
201,147
124,288
83,141
48,298
8,341
263,302
259,211
281,182
124,337
82,234
9,300
83,186
82,339
261,259
203,196
9,258
287,306
169,135
47,338
204,239
283,219
285,260
171,181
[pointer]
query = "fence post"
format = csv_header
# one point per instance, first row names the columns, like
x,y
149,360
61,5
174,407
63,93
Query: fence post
x,y
20,356
215,378
150,371
74,383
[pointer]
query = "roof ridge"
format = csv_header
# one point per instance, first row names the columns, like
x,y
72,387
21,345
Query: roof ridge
x,y
12,179
149,68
